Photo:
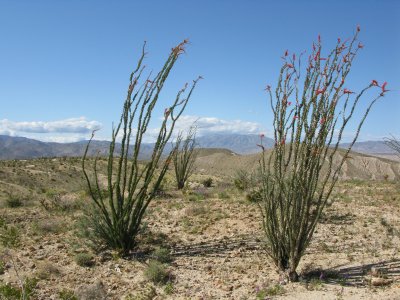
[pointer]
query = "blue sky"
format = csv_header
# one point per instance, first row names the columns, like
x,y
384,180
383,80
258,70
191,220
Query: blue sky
x,y
64,65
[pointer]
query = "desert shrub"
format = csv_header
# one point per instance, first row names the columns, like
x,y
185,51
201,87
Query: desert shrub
x,y
162,255
242,180
254,195
2,267
26,292
207,182
7,291
156,272
169,288
274,290
184,156
194,198
299,174
10,236
59,202
223,195
84,260
45,270
67,295
42,227
132,186
196,210
13,201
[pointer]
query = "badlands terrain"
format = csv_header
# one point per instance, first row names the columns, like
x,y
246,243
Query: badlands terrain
x,y
203,243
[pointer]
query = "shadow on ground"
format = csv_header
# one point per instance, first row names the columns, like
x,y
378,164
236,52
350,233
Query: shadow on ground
x,y
355,275
219,247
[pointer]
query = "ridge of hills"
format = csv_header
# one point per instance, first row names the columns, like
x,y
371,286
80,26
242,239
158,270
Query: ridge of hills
x,y
25,148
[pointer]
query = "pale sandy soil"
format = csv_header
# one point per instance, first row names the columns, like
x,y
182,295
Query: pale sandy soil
x,y
216,243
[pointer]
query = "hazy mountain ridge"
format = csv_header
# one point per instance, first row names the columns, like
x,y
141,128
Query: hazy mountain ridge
x,y
25,148
370,147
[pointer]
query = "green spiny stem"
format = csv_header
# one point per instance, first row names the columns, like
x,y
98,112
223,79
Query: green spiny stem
x,y
132,185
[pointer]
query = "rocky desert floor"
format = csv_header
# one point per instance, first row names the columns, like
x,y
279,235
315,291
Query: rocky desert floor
x,y
208,242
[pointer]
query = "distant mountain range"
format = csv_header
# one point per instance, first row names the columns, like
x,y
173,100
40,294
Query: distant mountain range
x,y
25,148
371,147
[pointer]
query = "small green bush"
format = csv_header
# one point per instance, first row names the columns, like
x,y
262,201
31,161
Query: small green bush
x,y
46,226
10,236
207,182
10,292
242,180
67,295
84,260
45,270
275,290
156,272
2,267
254,196
7,291
223,195
13,202
162,255
169,288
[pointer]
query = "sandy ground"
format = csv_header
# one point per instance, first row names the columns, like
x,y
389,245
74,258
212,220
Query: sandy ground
x,y
215,239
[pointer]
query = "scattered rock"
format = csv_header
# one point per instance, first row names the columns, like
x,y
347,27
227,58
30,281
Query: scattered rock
x,y
95,291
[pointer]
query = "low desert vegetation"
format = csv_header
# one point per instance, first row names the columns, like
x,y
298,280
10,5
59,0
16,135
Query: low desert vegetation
x,y
184,157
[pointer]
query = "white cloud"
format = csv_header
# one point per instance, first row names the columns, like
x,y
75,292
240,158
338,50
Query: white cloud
x,y
209,125
205,126
78,129
68,130
73,125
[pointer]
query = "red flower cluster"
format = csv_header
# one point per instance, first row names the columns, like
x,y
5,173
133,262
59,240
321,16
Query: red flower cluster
x,y
346,91
320,91
167,111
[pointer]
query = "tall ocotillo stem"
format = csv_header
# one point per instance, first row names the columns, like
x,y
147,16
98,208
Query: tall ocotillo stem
x,y
132,185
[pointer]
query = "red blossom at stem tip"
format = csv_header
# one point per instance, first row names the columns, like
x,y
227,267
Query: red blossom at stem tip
x,y
290,66
319,38
346,91
289,103
338,40
167,111
322,121
374,82
360,45
262,135
320,91
358,28
286,52
384,90
267,88
295,117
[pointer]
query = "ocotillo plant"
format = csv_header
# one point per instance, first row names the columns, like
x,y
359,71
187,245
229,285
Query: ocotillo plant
x,y
393,143
131,186
184,156
309,120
